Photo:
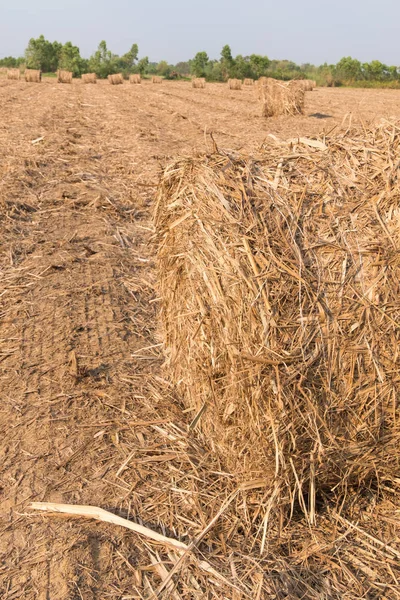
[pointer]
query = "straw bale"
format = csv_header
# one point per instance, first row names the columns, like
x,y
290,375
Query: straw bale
x,y
14,74
135,78
279,281
116,79
64,76
248,81
33,75
89,78
156,79
280,98
199,83
235,84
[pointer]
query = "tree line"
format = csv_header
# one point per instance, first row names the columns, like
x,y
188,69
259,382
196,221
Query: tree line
x,y
51,56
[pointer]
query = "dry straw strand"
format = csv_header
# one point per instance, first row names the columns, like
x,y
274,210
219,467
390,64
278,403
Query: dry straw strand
x,y
64,76
89,78
33,75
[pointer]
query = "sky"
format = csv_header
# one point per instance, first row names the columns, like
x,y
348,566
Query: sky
x,y
315,31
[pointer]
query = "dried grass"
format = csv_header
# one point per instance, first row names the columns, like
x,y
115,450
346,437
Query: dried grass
x,y
156,79
116,79
235,84
248,81
64,76
135,78
199,83
14,74
280,98
279,279
89,78
33,75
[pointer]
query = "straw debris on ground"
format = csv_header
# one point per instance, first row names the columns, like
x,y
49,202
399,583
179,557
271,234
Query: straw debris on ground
x,y
279,277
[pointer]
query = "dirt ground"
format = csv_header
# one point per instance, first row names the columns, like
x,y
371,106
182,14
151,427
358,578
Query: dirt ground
x,y
86,413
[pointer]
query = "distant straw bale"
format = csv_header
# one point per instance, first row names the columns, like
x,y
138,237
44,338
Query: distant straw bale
x,y
156,79
235,84
89,78
116,79
135,78
248,81
14,74
279,97
64,76
279,282
33,75
199,82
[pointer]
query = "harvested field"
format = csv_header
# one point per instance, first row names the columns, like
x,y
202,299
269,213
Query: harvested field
x,y
87,413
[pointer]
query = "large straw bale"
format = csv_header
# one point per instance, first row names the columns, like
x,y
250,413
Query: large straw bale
x,y
64,76
235,84
280,98
156,79
33,75
248,81
199,83
280,284
116,79
14,74
89,78
135,78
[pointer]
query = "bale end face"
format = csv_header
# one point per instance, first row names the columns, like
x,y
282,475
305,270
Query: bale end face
x,y
64,76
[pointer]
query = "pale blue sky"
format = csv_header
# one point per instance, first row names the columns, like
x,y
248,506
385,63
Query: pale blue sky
x,y
301,30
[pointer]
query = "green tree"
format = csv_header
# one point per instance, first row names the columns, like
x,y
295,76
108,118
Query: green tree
x,y
128,60
348,68
259,65
227,62
198,65
103,62
163,68
70,59
143,65
42,54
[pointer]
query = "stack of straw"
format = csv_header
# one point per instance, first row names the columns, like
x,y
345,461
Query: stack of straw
x,y
64,76
135,78
14,74
280,284
33,75
280,98
116,79
89,78
156,79
235,84
199,83
248,81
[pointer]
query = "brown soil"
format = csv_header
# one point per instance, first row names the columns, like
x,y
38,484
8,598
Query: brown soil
x,y
86,416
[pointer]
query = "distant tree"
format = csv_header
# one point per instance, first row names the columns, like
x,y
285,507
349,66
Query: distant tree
x,y
70,59
143,65
11,62
163,68
259,65
348,68
198,65
227,62
42,54
128,60
183,67
103,62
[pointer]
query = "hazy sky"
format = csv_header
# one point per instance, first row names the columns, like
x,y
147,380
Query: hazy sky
x,y
301,30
